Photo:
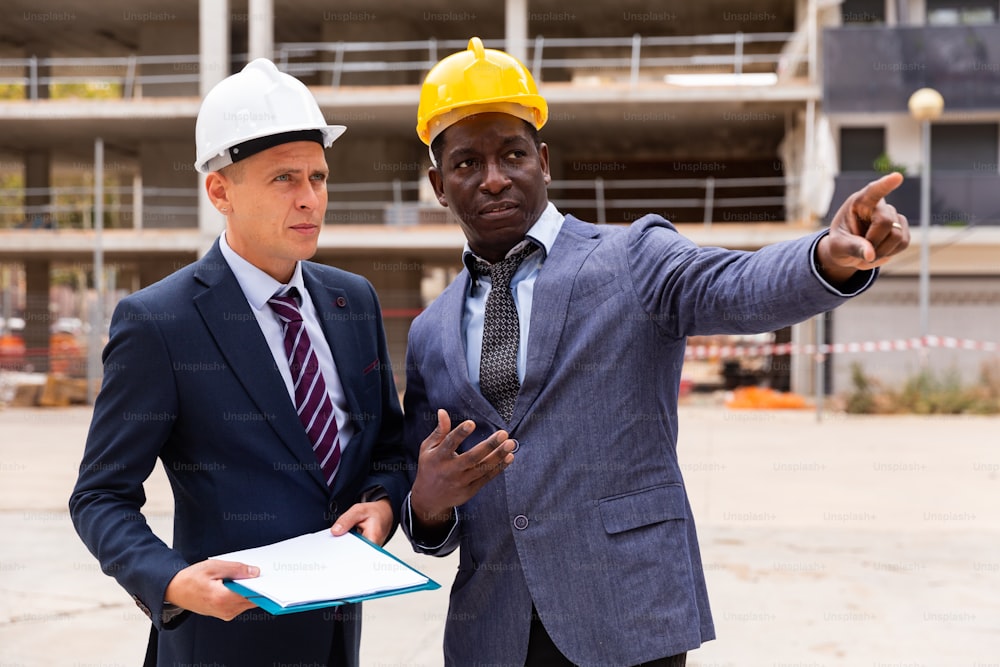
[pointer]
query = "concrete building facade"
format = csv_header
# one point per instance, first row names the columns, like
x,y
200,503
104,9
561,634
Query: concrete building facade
x,y
741,125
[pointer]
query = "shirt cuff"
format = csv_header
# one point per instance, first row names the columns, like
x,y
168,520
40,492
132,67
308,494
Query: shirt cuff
x,y
856,284
373,494
170,612
412,527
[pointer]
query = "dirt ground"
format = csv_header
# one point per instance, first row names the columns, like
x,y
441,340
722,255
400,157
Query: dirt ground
x,y
827,541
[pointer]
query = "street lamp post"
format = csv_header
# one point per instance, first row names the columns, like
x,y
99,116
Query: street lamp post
x,y
925,106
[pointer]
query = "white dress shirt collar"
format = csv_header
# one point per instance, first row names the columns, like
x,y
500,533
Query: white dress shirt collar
x,y
257,285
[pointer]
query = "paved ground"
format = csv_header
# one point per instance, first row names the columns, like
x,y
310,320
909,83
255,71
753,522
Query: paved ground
x,y
855,541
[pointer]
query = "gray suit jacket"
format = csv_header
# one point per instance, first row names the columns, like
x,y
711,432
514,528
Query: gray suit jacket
x,y
591,522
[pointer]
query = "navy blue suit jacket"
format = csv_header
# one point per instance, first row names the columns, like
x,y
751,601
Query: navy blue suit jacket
x,y
591,523
189,379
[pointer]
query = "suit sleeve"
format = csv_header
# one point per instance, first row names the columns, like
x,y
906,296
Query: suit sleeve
x,y
421,419
133,416
388,464
691,290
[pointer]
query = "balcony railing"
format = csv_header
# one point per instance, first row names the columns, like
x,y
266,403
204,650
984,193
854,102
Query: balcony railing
x,y
957,198
633,59
122,76
396,202
72,207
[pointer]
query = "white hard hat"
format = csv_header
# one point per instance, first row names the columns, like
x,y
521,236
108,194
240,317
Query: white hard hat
x,y
259,103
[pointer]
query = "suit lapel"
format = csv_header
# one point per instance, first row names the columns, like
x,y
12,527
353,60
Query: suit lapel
x,y
226,313
453,344
550,306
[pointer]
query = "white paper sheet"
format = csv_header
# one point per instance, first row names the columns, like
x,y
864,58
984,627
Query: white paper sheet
x,y
318,567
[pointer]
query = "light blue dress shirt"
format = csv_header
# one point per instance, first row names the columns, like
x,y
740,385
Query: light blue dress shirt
x,y
544,233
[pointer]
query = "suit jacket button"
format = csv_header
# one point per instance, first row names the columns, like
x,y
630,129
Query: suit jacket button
x,y
341,302
517,445
520,522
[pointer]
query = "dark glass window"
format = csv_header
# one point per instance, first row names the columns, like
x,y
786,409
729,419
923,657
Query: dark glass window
x,y
971,147
860,147
853,12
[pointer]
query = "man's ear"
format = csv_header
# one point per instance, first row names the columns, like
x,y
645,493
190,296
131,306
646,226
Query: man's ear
x,y
217,187
437,182
543,157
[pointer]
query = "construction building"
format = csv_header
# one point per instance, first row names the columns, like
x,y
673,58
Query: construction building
x,y
740,125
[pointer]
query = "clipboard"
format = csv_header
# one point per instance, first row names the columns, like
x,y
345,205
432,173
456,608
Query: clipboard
x,y
320,547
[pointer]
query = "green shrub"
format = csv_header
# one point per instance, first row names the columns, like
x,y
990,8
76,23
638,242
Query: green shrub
x,y
883,164
926,394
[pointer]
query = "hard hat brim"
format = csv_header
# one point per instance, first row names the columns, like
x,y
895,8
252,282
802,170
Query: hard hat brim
x,y
442,121
223,158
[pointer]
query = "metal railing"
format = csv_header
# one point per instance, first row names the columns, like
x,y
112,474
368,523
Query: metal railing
x,y
397,202
634,58
72,207
637,56
121,74
959,198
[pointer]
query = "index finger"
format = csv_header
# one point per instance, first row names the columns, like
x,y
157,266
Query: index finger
x,y
876,191
483,450
435,437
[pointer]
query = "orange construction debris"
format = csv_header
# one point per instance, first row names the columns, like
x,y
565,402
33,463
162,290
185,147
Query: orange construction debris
x,y
764,398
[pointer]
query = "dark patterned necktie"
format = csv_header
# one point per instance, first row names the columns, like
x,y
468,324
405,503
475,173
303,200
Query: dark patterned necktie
x,y
312,400
498,380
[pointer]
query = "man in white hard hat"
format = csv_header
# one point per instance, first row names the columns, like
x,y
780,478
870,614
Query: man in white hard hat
x,y
262,383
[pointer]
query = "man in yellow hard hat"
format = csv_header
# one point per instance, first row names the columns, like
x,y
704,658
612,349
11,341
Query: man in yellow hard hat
x,y
558,352
260,381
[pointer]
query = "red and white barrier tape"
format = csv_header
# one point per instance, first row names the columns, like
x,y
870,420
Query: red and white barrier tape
x,y
898,345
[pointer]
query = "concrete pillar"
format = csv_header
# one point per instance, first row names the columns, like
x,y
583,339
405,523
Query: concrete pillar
x,y
9,273
37,174
803,371
397,283
516,29
39,51
260,27
213,43
213,33
36,313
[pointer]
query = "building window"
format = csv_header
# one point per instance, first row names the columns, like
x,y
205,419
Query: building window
x,y
860,147
853,12
961,12
971,147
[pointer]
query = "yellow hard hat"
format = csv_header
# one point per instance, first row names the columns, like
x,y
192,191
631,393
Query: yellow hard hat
x,y
477,80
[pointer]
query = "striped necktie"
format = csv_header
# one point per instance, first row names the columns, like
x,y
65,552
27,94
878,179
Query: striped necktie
x,y
312,400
